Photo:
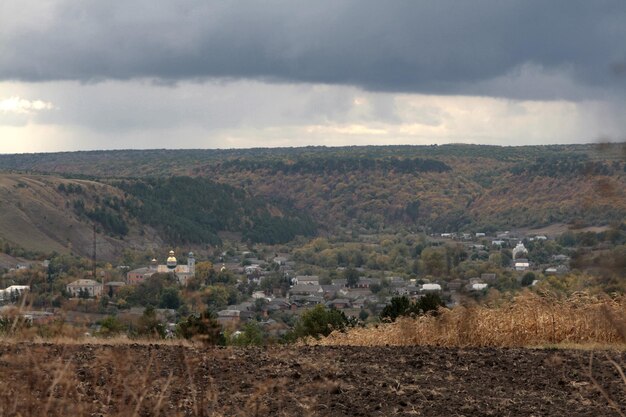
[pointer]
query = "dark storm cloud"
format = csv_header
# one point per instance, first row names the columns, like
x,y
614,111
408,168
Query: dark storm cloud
x,y
436,46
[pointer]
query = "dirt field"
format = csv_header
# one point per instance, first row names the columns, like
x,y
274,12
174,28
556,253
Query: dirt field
x,y
145,380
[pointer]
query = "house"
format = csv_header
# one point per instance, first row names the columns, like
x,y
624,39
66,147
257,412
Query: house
x,y
228,317
87,287
557,270
354,293
431,288
306,280
497,242
112,287
479,234
304,289
139,275
367,282
280,260
306,300
478,286
38,317
560,258
252,269
521,264
281,304
340,282
13,292
400,290
339,303
330,291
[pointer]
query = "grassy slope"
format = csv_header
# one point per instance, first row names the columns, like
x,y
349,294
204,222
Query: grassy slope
x,y
37,217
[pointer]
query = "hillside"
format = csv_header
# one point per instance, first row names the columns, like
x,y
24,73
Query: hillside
x,y
42,214
272,195
36,216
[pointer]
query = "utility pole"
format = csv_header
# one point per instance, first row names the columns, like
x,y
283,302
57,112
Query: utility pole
x,y
93,254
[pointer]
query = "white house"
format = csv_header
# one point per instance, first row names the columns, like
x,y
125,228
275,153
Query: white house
x,y
521,264
13,291
431,287
479,286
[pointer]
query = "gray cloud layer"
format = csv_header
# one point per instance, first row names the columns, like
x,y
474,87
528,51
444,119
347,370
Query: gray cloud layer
x,y
513,48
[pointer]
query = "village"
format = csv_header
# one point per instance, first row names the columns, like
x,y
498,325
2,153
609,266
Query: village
x,y
271,288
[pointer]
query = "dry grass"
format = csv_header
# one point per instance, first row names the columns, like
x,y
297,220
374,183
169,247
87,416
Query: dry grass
x,y
528,320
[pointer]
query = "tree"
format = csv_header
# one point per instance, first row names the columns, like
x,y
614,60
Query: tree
x,y
399,306
205,272
149,325
402,306
170,298
319,321
351,276
111,326
252,335
434,261
528,279
203,327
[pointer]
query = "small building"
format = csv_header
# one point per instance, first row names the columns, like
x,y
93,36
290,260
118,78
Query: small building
x,y
13,292
87,287
139,275
306,280
431,288
479,286
305,289
521,264
339,303
112,287
228,317
455,285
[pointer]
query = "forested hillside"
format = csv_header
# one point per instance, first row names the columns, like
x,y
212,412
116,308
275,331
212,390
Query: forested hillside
x,y
42,214
272,195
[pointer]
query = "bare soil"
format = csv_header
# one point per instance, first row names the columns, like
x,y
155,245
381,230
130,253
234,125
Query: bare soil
x,y
165,380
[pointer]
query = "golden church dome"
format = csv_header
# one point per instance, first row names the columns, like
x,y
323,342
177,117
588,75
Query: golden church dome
x,y
171,261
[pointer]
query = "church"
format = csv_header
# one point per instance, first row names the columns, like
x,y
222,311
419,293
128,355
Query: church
x,y
182,272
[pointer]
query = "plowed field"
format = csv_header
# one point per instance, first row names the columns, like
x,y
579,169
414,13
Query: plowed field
x,y
165,380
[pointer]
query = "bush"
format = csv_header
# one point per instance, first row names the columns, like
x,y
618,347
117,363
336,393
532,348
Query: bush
x,y
149,325
252,335
528,279
402,306
319,321
203,327
111,326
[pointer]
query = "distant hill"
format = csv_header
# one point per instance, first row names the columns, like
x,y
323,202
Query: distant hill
x,y
42,214
272,195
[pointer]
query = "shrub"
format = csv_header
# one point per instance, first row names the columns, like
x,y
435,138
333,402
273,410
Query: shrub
x,y
319,321
203,328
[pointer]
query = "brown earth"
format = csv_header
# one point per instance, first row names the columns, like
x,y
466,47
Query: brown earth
x,y
166,380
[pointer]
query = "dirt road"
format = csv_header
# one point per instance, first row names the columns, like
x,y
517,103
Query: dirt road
x,y
147,380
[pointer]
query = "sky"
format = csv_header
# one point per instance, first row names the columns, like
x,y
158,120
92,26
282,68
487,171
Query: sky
x,y
92,74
